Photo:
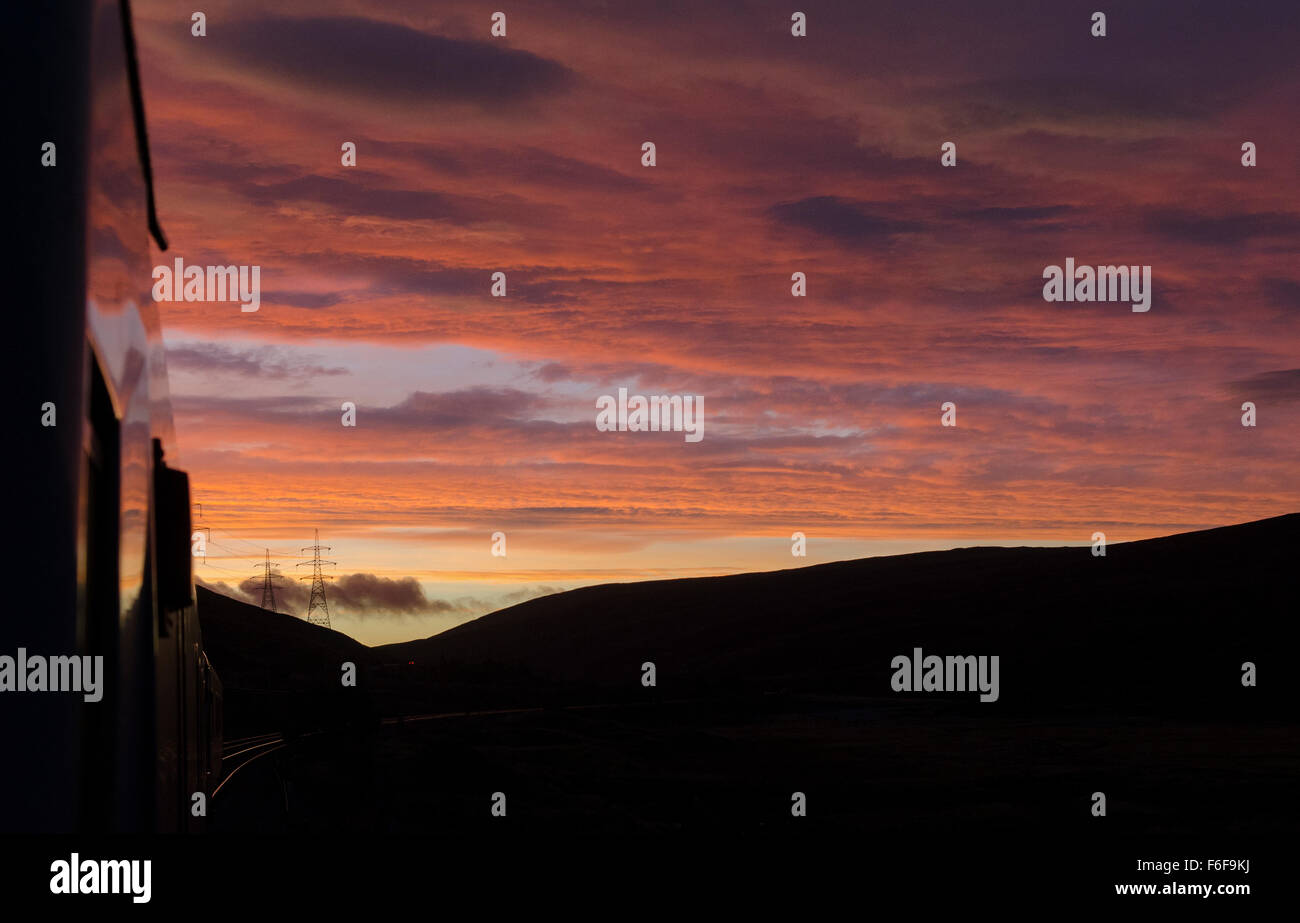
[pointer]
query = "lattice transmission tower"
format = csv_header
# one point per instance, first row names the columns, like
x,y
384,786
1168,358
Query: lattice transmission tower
x,y
270,573
318,579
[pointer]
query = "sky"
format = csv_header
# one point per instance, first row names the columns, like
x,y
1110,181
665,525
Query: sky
x,y
775,154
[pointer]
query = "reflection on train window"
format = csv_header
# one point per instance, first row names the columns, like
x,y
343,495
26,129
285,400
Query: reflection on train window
x,y
103,464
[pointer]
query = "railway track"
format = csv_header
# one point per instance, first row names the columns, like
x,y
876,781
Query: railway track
x,y
240,752
236,754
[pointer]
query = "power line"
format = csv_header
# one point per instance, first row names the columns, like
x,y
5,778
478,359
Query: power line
x,y
229,570
256,551
236,554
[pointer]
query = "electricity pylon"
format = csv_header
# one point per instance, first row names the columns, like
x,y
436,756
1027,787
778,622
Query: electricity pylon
x,y
269,573
318,579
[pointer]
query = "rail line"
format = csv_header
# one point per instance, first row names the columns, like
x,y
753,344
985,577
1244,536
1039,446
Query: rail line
x,y
258,746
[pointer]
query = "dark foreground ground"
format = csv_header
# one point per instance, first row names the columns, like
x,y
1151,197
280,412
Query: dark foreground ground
x,y
1119,675
867,768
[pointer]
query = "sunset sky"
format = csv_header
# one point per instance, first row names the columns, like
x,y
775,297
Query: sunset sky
x,y
775,155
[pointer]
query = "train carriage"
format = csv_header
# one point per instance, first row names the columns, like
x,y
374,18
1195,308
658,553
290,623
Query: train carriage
x,y
103,526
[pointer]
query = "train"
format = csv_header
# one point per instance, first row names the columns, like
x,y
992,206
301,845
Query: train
x,y
103,542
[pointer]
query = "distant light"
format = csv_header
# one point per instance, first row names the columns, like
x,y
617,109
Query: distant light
x,y
410,663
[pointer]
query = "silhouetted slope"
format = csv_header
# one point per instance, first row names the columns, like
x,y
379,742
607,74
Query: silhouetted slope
x,y
1165,622
1118,674
276,669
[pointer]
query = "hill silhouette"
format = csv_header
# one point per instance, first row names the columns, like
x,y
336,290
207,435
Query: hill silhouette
x,y
277,671
1119,674
1160,623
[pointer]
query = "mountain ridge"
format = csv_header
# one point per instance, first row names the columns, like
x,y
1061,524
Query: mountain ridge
x,y
806,629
